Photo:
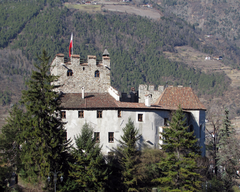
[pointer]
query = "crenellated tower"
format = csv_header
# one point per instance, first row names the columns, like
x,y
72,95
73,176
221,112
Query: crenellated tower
x,y
76,73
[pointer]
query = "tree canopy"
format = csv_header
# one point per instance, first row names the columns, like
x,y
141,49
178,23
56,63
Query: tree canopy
x,y
179,166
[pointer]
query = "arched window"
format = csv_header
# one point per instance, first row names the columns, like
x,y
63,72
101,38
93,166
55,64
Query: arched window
x,y
69,72
97,74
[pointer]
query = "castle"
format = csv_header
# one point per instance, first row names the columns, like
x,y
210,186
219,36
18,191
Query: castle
x,y
88,97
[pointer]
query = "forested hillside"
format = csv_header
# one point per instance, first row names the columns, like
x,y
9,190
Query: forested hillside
x,y
218,20
135,44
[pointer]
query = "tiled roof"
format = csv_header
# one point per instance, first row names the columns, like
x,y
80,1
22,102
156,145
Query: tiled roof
x,y
91,100
169,100
98,100
105,52
173,96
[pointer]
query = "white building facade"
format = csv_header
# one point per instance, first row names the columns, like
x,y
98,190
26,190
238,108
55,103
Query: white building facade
x,y
87,97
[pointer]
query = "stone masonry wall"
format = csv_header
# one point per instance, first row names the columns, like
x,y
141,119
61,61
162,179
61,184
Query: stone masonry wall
x,y
83,74
145,90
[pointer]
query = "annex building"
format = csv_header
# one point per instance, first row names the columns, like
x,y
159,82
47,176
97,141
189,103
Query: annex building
x,y
87,97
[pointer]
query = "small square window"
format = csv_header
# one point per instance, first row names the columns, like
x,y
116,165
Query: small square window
x,y
140,117
119,113
99,114
80,114
63,114
166,123
97,137
97,74
69,72
110,137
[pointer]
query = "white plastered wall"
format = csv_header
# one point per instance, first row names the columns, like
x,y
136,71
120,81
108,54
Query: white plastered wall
x,y
110,122
198,122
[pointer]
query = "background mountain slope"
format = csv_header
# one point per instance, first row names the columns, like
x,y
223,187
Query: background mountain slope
x,y
218,20
136,46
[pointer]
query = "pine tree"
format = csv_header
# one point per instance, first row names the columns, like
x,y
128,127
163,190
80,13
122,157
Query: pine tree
x,y
44,149
89,169
179,166
11,140
128,156
3,176
228,153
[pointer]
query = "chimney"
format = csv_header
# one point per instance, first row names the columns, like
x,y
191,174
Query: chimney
x,y
82,92
148,100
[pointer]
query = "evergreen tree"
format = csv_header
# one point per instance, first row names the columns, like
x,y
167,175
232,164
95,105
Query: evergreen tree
x,y
228,153
148,169
128,156
11,140
44,149
89,169
179,165
3,172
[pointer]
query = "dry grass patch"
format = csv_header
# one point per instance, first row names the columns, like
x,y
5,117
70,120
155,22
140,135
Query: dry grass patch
x,y
84,7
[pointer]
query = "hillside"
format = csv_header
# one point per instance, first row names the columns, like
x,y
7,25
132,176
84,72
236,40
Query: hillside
x,y
137,47
218,20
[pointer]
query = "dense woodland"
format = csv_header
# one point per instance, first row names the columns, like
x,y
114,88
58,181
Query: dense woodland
x,y
135,43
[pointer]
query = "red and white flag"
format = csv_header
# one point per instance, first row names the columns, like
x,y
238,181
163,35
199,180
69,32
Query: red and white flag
x,y
71,46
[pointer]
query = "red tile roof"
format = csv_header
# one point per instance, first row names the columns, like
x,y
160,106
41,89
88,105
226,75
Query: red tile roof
x,y
172,97
97,100
91,100
169,100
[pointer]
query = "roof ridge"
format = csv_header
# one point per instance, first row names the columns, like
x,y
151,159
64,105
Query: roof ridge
x,y
160,97
198,100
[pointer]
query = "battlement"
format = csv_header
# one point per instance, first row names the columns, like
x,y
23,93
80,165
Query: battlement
x,y
144,90
75,73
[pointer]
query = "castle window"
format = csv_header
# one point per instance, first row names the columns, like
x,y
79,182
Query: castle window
x,y
97,137
80,114
166,123
119,113
140,117
69,72
63,114
83,68
97,74
110,137
99,114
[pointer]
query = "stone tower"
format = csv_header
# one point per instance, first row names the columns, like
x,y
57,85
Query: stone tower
x,y
91,74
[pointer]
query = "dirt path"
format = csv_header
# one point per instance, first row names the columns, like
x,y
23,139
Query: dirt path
x,y
144,12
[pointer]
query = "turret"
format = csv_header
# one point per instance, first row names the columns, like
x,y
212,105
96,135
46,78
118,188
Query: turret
x,y
106,59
